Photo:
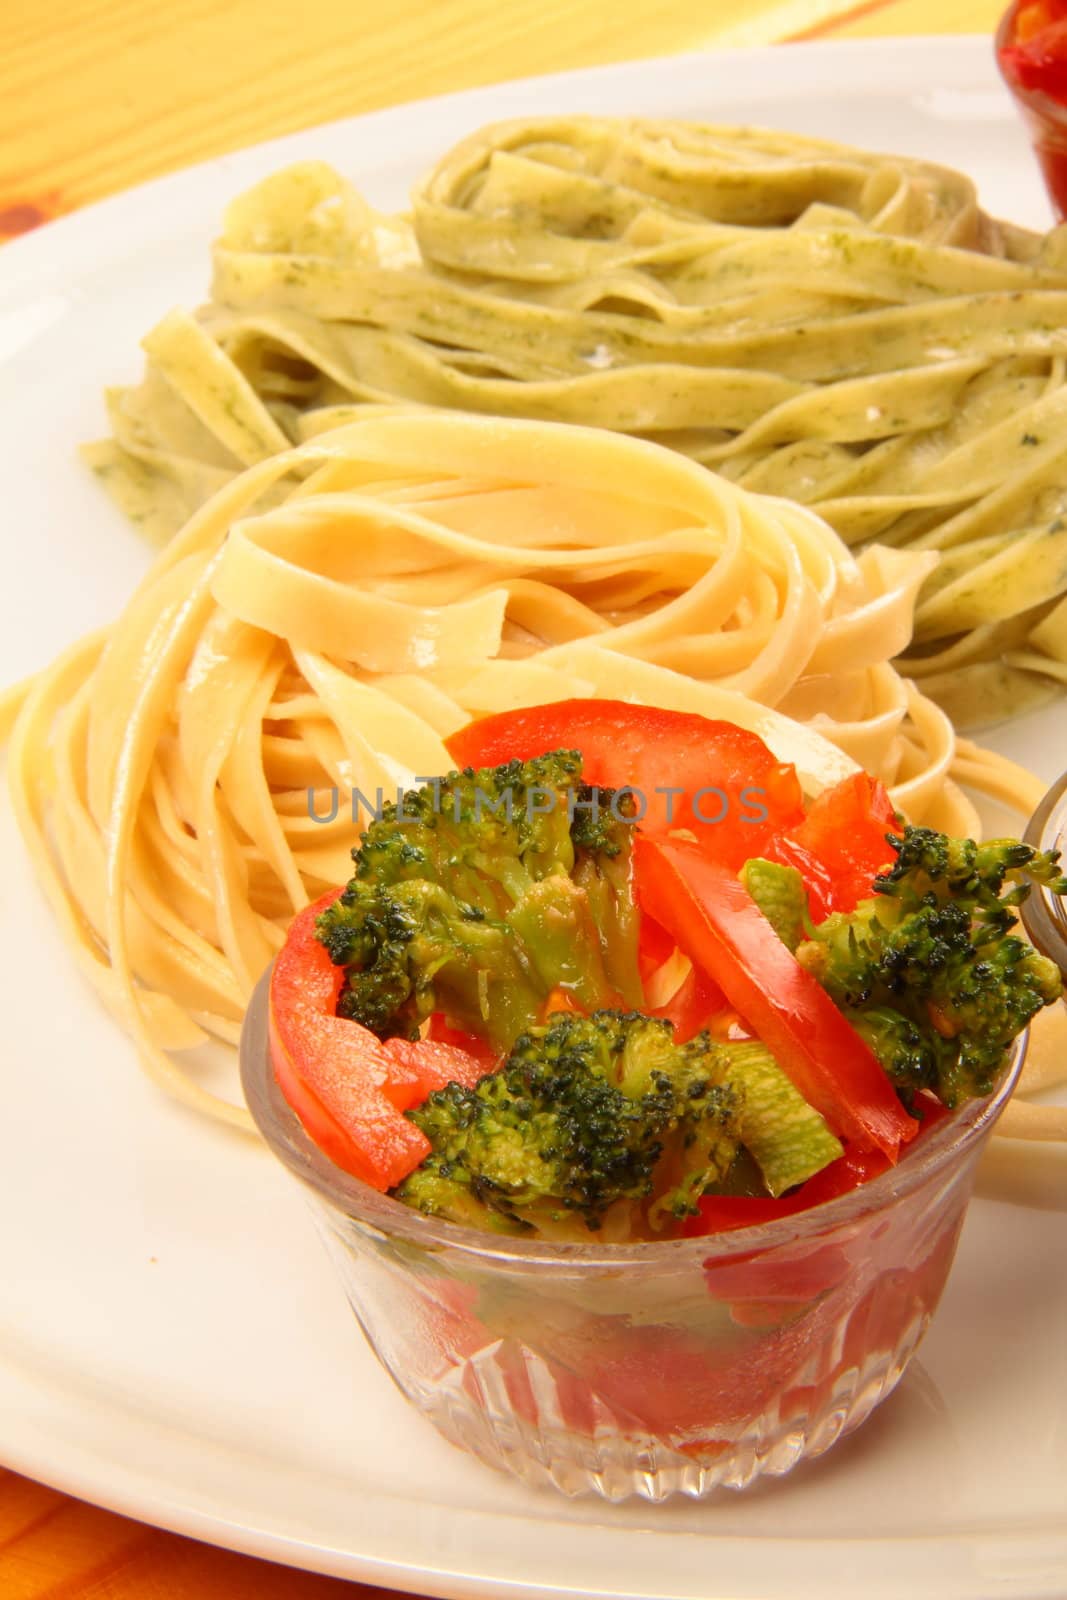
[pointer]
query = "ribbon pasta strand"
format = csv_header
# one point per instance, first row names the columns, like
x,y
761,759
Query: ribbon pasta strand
x,y
188,779
816,322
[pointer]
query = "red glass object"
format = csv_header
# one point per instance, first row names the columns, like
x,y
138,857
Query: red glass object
x,y
1031,48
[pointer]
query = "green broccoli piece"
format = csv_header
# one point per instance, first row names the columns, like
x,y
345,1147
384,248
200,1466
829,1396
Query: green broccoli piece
x,y
602,870
586,1121
488,889
787,1138
780,894
912,1055
928,970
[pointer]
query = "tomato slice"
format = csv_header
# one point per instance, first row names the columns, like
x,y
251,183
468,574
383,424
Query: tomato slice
x,y
347,1087
718,925
718,780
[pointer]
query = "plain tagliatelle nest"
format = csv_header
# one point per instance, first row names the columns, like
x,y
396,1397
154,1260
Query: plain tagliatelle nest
x,y
333,614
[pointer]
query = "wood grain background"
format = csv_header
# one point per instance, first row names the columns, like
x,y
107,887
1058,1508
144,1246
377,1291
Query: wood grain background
x,y
97,95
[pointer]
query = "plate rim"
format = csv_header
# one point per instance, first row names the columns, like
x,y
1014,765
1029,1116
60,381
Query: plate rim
x,y
911,1561
68,245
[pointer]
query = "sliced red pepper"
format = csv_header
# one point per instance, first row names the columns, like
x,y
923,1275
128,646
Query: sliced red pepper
x,y
845,832
722,1213
720,928
716,779
673,1382
817,882
432,1063
791,1278
697,999
929,1109
654,948
841,845
441,1031
848,1172
561,1000
348,1088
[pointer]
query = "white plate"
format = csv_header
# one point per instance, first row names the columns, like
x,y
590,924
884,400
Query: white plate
x,y
172,1341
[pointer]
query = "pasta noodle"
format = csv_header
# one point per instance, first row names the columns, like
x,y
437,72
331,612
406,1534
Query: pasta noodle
x,y
812,321
335,612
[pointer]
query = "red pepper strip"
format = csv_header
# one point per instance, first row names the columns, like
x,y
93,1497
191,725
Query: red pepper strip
x,y
748,794
348,1089
665,1379
930,1110
725,1213
697,999
820,890
722,1213
655,946
720,928
433,1063
792,1276
845,833
441,1031
561,1000
759,1286
848,1172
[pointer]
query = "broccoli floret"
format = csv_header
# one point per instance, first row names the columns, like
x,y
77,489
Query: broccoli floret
x,y
780,894
910,1054
485,891
602,870
589,1116
928,970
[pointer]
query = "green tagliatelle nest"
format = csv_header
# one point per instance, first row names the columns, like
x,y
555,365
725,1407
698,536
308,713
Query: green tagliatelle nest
x,y
841,328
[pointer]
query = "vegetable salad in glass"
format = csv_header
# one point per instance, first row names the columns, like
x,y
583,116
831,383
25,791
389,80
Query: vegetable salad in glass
x,y
644,1095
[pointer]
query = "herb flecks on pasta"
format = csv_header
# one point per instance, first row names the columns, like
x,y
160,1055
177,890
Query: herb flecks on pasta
x,y
845,329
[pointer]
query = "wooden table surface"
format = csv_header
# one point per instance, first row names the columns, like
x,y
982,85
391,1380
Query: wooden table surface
x,y
96,95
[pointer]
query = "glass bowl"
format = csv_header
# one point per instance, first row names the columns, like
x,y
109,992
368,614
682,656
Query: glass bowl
x,y
645,1369
1045,120
1044,914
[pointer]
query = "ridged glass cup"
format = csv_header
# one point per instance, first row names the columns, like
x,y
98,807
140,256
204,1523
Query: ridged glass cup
x,y
646,1369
